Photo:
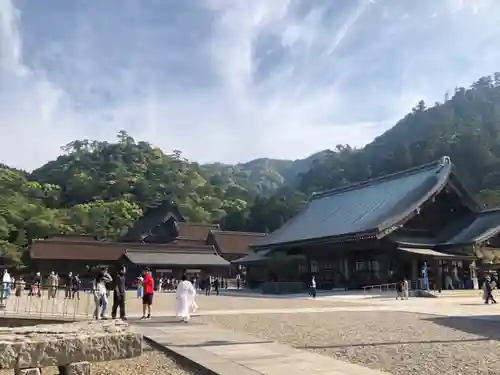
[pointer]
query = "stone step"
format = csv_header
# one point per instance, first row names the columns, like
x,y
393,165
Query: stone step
x,y
225,352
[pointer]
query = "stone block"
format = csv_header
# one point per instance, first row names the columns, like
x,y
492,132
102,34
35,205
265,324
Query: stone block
x,y
28,371
62,344
80,368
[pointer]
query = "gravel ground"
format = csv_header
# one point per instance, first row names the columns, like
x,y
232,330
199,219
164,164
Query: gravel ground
x,y
151,362
166,302
400,343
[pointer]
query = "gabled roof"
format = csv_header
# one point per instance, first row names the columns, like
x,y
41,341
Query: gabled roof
x,y
195,231
61,249
152,217
476,228
368,209
229,242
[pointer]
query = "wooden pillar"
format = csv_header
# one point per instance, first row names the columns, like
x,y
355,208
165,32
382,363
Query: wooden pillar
x,y
438,282
414,270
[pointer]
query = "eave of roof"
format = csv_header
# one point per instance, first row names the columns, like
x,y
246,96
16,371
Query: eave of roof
x,y
436,177
75,251
435,254
233,242
475,229
178,258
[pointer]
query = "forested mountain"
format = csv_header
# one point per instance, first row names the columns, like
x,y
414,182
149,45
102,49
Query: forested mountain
x,y
264,176
102,188
465,127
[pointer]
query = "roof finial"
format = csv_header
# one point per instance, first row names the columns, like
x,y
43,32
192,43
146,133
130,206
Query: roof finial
x,y
445,160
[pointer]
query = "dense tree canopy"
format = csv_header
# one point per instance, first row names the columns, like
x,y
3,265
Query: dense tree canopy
x,y
101,188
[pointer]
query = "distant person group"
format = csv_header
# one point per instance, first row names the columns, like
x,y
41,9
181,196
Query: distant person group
x,y
185,295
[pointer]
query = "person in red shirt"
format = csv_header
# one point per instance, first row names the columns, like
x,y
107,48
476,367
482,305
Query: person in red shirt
x,y
147,298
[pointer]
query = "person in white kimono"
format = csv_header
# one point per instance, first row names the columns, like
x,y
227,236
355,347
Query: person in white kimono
x,y
5,287
185,296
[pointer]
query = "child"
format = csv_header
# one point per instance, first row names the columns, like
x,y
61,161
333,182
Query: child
x,y
140,286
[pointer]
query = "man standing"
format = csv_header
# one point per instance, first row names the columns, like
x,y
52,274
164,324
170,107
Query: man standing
x,y
147,298
119,294
68,286
216,285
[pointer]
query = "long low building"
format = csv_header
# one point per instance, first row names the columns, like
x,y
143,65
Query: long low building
x,y
160,240
65,255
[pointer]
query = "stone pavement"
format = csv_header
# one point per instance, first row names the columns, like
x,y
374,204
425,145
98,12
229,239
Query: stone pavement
x,y
225,352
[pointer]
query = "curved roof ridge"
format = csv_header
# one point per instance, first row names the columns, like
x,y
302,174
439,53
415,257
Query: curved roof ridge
x,y
238,233
362,184
489,211
195,224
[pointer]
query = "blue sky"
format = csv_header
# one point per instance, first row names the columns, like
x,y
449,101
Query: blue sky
x,y
230,80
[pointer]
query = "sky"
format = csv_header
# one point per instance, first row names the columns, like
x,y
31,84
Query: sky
x,y
230,80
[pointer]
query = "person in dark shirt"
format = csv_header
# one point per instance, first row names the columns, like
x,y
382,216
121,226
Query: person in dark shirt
x,y
216,285
76,285
119,294
488,288
399,290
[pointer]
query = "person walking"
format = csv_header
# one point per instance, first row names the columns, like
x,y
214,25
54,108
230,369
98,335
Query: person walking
x,y
185,296
216,285
147,298
119,294
208,285
488,290
406,288
399,290
312,288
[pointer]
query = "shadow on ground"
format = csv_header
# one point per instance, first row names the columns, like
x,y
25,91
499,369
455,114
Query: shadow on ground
x,y
487,326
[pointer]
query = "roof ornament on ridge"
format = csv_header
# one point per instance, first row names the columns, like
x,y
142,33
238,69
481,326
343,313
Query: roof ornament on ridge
x,y
445,160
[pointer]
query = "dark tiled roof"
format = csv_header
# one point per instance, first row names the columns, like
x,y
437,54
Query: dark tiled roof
x,y
76,250
188,243
228,242
434,254
56,248
413,240
367,208
175,258
74,237
195,231
152,217
253,257
476,228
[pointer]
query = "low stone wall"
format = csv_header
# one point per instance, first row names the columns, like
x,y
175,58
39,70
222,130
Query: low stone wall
x,y
70,346
11,322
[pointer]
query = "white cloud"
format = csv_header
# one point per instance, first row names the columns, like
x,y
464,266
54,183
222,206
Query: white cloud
x,y
234,80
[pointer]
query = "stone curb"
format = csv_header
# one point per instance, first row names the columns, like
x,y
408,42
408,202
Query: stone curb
x,y
179,358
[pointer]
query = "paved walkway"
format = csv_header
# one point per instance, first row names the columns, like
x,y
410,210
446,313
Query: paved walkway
x,y
225,352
